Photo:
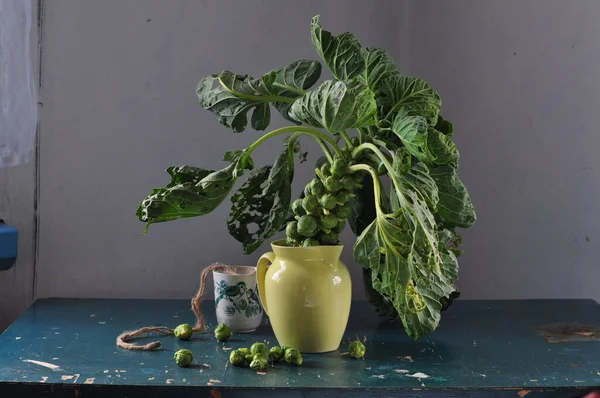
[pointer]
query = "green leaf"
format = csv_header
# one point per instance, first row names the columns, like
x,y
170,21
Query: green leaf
x,y
187,198
441,149
379,65
407,266
454,206
260,207
186,174
411,95
336,106
292,80
231,97
444,126
415,178
341,53
412,131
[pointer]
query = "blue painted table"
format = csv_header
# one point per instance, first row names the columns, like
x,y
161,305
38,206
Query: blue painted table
x,y
533,348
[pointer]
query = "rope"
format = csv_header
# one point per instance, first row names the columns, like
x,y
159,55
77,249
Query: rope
x,y
123,340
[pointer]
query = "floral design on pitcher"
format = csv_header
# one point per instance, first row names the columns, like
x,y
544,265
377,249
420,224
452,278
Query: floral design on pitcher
x,y
239,298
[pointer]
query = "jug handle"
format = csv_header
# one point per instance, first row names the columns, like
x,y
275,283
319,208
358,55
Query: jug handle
x,y
261,275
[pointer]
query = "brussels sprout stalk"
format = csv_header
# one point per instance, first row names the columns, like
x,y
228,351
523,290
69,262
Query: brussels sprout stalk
x,y
368,118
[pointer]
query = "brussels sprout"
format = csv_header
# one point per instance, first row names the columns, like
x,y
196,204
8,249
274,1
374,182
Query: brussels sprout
x,y
259,348
258,364
183,357
330,238
276,354
285,348
317,187
340,225
311,204
328,201
297,207
326,169
339,167
291,242
307,190
291,230
237,358
307,226
183,331
245,351
222,332
343,196
249,358
347,183
329,221
332,184
310,242
344,211
293,356
357,350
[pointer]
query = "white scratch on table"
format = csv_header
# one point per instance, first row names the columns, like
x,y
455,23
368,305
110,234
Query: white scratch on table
x,y
419,375
332,374
44,378
106,371
102,323
534,380
92,315
44,364
43,338
151,378
55,358
261,373
482,375
122,371
378,376
185,380
166,371
17,338
401,371
474,343
227,348
368,368
76,378
169,381
67,377
406,358
141,363
89,380
579,381
57,333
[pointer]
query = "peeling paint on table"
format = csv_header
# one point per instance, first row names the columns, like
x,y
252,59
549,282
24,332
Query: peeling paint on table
x,y
510,357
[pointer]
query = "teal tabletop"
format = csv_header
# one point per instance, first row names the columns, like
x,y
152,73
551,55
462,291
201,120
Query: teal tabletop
x,y
533,348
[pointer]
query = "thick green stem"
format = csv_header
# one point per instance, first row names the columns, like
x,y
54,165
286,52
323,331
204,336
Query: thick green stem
x,y
323,146
346,139
318,135
392,174
376,182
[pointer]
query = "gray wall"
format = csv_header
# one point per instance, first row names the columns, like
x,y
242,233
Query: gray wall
x,y
17,196
518,79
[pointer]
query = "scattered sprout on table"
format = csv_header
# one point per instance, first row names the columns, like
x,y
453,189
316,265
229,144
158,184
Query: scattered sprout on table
x,y
237,358
259,348
357,350
183,331
293,356
222,332
276,354
183,358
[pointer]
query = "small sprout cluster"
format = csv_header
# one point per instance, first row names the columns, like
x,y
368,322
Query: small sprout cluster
x,y
259,355
321,215
183,357
222,332
183,331
357,350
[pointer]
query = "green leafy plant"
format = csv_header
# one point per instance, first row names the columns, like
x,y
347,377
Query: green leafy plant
x,y
375,126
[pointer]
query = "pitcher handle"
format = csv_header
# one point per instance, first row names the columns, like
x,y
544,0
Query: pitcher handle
x,y
261,275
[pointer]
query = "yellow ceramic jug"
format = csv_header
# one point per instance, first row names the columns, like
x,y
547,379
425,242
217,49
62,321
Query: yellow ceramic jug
x,y
306,292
